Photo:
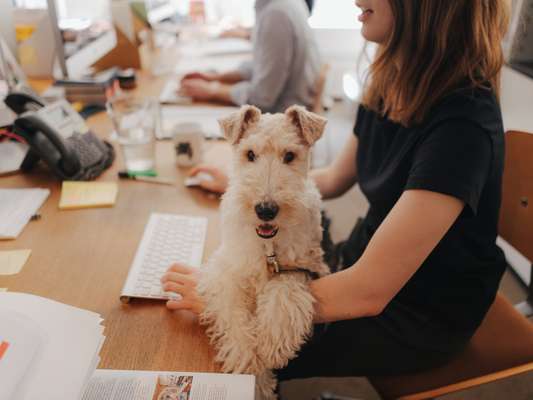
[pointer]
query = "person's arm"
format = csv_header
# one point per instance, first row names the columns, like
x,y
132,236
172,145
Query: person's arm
x,y
410,232
273,53
214,86
413,228
335,179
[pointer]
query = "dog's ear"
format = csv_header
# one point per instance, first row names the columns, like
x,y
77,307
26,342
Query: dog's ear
x,y
310,125
235,125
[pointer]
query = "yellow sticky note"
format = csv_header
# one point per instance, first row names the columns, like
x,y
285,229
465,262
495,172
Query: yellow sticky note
x,y
3,289
12,261
75,195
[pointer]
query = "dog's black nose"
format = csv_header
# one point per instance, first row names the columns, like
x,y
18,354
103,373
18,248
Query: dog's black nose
x,y
266,211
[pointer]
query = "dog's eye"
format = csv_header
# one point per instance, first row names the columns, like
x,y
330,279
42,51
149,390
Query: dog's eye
x,y
250,155
289,157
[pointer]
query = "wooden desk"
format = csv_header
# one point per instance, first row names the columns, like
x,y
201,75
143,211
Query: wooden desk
x,y
82,258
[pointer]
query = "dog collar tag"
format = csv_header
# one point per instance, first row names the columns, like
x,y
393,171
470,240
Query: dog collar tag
x,y
272,263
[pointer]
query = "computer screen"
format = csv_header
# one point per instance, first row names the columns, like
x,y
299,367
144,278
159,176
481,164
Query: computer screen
x,y
82,31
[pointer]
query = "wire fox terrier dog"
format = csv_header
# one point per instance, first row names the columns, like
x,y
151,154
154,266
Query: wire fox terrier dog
x,y
259,310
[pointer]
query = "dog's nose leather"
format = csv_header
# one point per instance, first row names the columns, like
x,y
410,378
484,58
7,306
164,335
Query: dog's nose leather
x,y
266,211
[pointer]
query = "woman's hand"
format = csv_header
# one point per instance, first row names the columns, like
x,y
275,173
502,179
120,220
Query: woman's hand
x,y
199,89
205,76
182,280
218,184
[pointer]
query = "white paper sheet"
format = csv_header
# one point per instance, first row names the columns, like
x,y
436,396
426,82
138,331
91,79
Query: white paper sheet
x,y
206,117
11,156
17,206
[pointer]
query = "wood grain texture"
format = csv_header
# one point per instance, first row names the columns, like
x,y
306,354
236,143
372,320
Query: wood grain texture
x,y
82,257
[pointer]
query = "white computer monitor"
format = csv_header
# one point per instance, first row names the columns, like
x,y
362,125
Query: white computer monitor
x,y
90,27
52,20
7,27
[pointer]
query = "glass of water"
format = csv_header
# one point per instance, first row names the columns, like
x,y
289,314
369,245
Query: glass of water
x,y
135,122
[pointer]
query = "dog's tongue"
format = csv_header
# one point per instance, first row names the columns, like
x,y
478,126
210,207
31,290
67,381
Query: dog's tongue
x,y
266,229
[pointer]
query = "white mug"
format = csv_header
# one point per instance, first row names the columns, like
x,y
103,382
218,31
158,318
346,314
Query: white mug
x,y
188,143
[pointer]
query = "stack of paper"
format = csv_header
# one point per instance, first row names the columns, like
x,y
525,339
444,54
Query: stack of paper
x,y
75,195
17,206
48,350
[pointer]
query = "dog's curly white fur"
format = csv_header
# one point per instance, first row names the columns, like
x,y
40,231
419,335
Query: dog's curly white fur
x,y
257,319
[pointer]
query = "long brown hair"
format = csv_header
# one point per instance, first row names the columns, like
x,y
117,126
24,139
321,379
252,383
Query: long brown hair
x,y
435,47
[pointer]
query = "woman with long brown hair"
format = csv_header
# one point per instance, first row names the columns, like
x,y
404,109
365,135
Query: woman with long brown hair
x,y
420,272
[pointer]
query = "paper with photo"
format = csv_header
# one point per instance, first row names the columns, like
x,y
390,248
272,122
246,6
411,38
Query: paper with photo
x,y
147,385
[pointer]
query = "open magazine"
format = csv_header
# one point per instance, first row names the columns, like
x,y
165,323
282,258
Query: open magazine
x,y
153,385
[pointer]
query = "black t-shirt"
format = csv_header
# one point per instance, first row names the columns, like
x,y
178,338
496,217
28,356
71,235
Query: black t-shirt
x,y
458,151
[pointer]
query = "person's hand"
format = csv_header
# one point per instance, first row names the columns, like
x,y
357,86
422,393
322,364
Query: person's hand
x,y
238,32
182,279
218,184
205,76
199,89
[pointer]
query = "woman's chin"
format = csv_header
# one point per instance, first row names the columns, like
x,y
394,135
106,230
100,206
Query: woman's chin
x,y
372,34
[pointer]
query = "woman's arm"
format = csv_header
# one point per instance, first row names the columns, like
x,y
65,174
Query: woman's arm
x,y
335,179
413,228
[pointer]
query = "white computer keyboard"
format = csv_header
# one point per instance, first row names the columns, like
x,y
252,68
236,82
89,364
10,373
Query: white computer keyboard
x,y
167,239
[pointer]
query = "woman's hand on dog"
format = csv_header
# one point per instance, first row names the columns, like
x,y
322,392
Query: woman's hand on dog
x,y
182,280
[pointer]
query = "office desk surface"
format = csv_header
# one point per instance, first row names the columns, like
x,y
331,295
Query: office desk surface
x,y
82,258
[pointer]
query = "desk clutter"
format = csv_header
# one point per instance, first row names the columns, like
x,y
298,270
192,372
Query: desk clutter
x,y
50,350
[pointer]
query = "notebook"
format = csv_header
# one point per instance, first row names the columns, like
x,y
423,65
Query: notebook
x,y
17,206
76,195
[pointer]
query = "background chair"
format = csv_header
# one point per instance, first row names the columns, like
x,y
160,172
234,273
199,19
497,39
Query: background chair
x,y
319,89
503,344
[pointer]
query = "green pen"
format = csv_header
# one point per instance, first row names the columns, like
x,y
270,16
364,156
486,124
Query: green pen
x,y
146,178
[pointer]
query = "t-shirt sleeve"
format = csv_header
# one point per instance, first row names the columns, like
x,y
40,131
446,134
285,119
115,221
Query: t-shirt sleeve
x,y
453,159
